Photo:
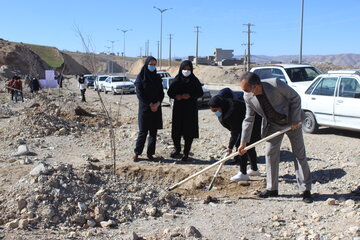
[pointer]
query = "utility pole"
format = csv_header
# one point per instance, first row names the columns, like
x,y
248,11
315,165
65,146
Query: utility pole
x,y
170,37
124,31
158,46
140,52
301,30
197,45
248,44
161,12
112,51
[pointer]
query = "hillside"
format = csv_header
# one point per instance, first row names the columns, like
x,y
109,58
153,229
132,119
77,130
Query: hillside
x,y
336,59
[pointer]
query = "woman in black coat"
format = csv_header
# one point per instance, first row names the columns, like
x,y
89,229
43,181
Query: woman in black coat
x,y
231,114
149,91
185,90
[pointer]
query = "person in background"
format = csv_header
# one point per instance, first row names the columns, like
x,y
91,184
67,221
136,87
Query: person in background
x,y
185,90
231,113
82,85
150,93
11,87
280,107
34,85
18,89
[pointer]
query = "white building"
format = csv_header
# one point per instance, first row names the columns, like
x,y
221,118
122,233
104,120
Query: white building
x,y
221,54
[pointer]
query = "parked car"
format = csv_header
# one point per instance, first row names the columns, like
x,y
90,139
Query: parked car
x,y
297,76
99,82
90,79
167,81
163,73
333,100
118,84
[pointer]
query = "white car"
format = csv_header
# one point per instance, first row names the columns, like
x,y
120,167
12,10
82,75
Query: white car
x,y
118,84
297,76
99,82
333,100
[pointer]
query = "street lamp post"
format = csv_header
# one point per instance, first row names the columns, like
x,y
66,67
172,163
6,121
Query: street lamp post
x,y
124,31
112,51
161,12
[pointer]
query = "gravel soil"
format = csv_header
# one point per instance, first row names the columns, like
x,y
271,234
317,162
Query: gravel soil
x,y
229,211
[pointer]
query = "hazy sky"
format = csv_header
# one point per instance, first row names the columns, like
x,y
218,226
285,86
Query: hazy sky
x,y
330,26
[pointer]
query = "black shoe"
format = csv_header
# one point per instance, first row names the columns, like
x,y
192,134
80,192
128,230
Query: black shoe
x,y
175,154
150,157
268,193
307,198
185,158
135,158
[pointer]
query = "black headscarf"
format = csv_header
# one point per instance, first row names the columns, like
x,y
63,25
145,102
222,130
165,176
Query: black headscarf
x,y
145,74
226,105
181,77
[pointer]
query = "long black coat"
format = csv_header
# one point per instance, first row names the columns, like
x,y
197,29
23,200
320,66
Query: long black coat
x,y
149,89
185,112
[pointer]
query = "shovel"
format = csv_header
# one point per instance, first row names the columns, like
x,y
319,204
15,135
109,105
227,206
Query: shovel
x,y
208,188
229,157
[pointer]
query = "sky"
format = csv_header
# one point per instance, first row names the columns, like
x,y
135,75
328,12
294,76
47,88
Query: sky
x,y
329,27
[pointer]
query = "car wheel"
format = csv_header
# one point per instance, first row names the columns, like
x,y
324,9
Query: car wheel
x,y
113,91
310,125
104,90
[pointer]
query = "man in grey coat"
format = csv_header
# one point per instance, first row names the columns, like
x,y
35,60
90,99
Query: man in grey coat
x,y
280,107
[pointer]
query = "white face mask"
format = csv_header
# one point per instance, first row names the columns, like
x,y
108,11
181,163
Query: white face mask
x,y
250,94
186,73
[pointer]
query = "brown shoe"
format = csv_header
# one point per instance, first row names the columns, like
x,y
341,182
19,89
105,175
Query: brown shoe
x,y
136,157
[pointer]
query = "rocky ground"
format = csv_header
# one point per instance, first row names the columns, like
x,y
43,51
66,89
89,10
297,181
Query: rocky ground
x,y
57,181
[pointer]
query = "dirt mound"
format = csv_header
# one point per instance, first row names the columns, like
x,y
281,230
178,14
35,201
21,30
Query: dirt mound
x,y
19,59
71,66
44,117
136,66
61,196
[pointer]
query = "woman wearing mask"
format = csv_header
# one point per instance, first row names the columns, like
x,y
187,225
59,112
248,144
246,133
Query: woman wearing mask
x,y
185,90
149,91
231,114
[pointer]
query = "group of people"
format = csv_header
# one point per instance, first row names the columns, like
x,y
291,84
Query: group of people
x,y
266,107
15,87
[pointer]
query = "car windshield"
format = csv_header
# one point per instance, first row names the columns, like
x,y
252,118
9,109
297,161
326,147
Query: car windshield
x,y
119,79
102,78
164,74
90,77
302,74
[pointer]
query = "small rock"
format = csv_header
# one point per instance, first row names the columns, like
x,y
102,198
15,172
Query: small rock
x,y
91,223
107,224
192,232
349,203
261,230
151,211
354,231
275,218
13,224
22,203
168,216
81,206
330,201
23,223
302,237
22,150
39,169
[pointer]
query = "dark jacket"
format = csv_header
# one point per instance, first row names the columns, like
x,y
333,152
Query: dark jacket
x,y
149,89
185,112
233,114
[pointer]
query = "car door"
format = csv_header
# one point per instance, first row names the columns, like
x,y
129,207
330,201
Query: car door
x,y
107,84
347,102
321,100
